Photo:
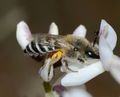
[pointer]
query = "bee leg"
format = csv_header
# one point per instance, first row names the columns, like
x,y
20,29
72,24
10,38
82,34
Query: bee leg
x,y
65,67
56,57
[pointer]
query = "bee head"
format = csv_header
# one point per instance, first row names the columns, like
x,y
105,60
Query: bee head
x,y
82,49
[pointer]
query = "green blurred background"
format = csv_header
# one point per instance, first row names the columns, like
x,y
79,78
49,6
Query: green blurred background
x,y
18,73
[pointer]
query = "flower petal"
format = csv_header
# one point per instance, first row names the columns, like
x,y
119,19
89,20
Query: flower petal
x,y
23,34
46,72
80,31
116,74
83,75
53,29
110,33
105,52
59,89
76,92
115,68
110,62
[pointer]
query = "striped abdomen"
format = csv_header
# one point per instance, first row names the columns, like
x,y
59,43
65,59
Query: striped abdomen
x,y
38,49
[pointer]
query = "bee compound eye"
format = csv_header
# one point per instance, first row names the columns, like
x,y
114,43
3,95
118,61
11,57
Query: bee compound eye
x,y
91,54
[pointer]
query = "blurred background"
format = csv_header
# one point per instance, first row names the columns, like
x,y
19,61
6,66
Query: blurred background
x,y
18,73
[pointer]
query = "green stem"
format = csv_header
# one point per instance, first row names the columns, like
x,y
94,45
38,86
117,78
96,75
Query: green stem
x,y
48,89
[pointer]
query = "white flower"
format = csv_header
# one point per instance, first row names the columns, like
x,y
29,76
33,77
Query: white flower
x,y
108,61
24,37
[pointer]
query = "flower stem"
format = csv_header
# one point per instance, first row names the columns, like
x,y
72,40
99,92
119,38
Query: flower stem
x,y
48,89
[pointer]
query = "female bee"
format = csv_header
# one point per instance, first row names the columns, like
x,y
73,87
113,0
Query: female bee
x,y
70,49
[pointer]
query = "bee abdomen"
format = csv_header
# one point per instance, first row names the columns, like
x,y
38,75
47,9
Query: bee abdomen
x,y
37,49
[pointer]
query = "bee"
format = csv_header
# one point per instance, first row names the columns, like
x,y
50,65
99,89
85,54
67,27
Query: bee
x,y
71,48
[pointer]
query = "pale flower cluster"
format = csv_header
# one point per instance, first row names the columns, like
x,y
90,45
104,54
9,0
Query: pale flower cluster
x,y
74,81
